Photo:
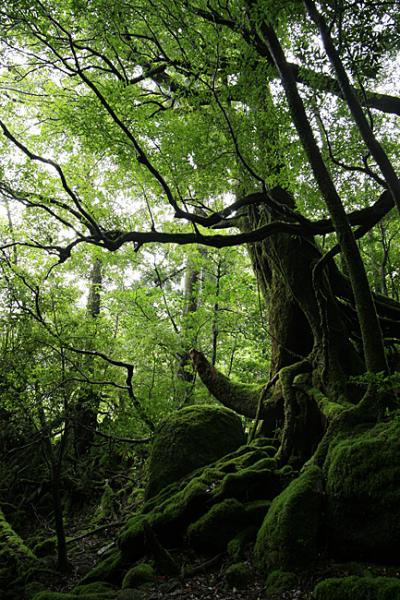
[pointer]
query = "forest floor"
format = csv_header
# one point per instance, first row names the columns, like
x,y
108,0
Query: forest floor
x,y
208,582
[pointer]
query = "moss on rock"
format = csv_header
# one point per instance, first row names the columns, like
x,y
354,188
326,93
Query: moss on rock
x,y
288,538
169,518
97,587
363,493
238,575
46,547
278,582
109,570
192,437
138,575
184,503
256,512
236,545
33,588
260,480
212,532
267,444
14,553
358,588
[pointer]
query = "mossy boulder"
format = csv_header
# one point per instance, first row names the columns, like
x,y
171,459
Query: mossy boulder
x,y
138,575
97,587
288,538
363,494
358,588
46,547
109,570
260,480
183,503
238,575
168,517
191,438
278,582
33,588
14,553
212,532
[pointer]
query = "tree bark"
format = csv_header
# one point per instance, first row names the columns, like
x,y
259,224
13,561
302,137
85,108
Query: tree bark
x,y
371,333
85,409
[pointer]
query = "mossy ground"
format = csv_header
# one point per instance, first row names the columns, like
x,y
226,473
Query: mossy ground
x,y
358,588
219,509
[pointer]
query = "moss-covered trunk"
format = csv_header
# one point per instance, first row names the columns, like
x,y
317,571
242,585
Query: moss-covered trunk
x,y
313,338
305,319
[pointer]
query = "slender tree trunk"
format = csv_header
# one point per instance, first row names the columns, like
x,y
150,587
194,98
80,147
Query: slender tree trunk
x,y
11,228
215,331
365,129
371,333
55,456
185,373
85,409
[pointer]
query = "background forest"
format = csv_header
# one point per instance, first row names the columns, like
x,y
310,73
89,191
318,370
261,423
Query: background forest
x,y
199,206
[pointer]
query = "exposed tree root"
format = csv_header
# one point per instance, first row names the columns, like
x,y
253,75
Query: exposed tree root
x,y
286,376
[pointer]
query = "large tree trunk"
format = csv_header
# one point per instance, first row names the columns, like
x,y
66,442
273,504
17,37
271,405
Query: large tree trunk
x,y
313,339
305,319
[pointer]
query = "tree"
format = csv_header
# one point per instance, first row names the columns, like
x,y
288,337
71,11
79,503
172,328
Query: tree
x,y
147,111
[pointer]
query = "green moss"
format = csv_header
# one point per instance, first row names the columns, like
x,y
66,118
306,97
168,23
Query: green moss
x,y
289,534
13,551
236,545
238,575
192,437
258,460
70,596
267,444
108,570
198,479
358,588
287,471
169,518
182,503
175,507
221,523
138,575
328,407
97,587
32,589
363,493
255,481
256,511
278,582
131,537
231,464
46,547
